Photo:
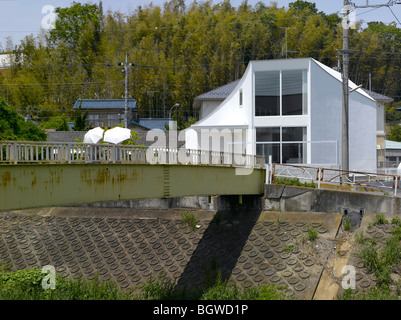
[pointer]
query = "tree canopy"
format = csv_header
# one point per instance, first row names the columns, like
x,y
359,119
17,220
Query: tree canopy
x,y
180,51
14,126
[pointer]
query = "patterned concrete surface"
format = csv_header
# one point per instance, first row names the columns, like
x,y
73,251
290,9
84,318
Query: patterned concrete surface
x,y
130,245
378,234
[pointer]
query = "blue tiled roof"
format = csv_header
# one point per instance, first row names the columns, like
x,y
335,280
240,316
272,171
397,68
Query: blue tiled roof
x,y
104,104
393,144
158,123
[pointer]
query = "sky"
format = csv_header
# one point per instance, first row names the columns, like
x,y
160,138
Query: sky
x,y
19,18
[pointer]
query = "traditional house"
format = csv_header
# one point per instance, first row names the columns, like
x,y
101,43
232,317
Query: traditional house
x,y
106,112
290,110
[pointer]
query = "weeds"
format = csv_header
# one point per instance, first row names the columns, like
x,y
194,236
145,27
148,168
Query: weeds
x,y
347,224
190,219
374,294
381,262
27,285
312,234
294,182
396,220
379,220
290,248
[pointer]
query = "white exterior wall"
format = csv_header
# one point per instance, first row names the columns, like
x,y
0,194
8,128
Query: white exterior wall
x,y
228,116
323,120
326,120
208,107
380,118
326,117
362,133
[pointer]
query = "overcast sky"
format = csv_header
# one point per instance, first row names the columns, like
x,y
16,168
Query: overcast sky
x,y
19,18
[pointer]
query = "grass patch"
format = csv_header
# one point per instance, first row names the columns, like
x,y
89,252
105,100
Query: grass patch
x,y
294,182
347,224
290,248
379,220
190,219
373,294
312,234
27,285
381,260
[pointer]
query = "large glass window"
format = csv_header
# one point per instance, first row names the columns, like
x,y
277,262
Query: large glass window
x,y
267,93
293,152
285,145
271,134
281,93
294,92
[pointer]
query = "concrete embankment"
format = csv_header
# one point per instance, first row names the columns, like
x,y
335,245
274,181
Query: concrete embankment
x,y
251,239
290,198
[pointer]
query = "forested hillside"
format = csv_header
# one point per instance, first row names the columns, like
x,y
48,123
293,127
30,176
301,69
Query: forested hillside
x,y
180,51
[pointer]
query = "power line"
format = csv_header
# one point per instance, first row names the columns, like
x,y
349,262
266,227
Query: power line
x,y
394,15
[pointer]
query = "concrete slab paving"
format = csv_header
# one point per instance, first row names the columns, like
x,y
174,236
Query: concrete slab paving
x,y
129,246
378,235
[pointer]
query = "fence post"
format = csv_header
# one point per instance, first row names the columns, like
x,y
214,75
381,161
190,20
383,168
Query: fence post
x,y
270,169
395,187
15,153
319,172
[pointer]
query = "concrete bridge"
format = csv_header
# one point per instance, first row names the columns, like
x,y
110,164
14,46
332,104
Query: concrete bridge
x,y
45,174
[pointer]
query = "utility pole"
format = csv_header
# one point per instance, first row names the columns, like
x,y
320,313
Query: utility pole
x,y
286,42
345,103
127,66
348,12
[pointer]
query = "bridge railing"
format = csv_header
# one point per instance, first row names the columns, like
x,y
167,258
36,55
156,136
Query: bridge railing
x,y
319,175
74,152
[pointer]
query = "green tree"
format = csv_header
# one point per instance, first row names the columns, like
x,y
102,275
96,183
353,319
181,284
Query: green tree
x,y
302,5
59,123
72,21
80,119
395,133
14,127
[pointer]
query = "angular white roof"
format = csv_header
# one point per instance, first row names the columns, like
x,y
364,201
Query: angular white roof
x,y
224,114
338,76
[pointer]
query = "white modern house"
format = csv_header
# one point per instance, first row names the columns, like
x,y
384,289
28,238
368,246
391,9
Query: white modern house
x,y
290,110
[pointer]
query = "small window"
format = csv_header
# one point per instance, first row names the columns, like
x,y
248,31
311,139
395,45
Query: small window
x,y
240,97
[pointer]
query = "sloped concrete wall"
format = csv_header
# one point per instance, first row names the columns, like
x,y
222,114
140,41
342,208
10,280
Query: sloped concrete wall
x,y
300,199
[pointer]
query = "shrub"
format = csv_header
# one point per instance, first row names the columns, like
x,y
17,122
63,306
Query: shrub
x,y
294,182
190,219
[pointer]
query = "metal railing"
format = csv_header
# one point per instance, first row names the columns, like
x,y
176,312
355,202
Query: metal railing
x,y
318,175
74,152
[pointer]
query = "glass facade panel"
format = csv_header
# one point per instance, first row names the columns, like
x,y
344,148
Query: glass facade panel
x,y
294,92
268,134
294,133
268,149
281,93
276,142
267,93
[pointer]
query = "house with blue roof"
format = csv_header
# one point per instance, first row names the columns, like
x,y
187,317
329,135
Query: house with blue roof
x,y
393,154
107,112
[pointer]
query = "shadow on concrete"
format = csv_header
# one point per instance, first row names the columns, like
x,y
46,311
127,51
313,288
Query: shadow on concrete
x,y
221,244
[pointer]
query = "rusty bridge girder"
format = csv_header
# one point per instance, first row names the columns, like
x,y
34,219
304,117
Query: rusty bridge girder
x,y
44,185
